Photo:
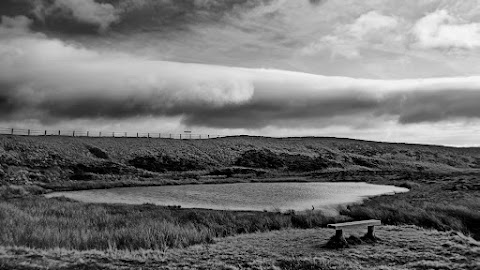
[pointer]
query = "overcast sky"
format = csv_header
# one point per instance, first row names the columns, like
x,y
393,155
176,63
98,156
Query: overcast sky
x,y
385,70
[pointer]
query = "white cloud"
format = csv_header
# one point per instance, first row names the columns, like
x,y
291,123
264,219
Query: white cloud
x,y
440,30
370,29
372,23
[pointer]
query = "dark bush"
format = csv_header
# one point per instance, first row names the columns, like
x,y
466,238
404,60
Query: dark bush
x,y
229,172
99,168
365,162
97,152
165,163
265,159
302,163
148,163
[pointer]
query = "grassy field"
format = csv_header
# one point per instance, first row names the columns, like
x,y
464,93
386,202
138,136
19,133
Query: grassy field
x,y
50,223
59,233
400,248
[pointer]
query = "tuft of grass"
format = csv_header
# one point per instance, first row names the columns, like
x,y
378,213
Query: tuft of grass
x,y
316,263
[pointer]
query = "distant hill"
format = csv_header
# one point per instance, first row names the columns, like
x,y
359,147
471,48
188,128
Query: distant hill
x,y
49,160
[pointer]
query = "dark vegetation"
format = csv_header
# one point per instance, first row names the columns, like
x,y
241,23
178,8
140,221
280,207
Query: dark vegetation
x,y
445,191
97,152
164,163
267,159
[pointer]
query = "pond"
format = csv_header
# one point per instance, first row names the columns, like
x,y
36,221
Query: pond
x,y
239,196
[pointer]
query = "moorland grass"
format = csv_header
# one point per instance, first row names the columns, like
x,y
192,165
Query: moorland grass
x,y
460,215
60,223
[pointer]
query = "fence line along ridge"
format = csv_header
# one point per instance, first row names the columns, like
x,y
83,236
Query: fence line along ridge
x,y
98,134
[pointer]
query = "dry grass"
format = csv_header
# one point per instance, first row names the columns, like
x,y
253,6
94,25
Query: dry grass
x,y
59,223
404,247
430,206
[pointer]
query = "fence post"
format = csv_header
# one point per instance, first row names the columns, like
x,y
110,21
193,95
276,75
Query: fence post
x,y
12,131
113,134
100,134
73,133
45,134
87,133
137,134
180,136
159,135
148,135
59,133
29,132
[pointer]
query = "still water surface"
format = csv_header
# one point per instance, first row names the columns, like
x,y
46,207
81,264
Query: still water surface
x,y
241,196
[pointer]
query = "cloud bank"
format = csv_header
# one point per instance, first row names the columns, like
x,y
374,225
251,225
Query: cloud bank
x,y
440,30
50,80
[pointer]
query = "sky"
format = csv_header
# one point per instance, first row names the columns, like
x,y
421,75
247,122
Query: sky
x,y
383,70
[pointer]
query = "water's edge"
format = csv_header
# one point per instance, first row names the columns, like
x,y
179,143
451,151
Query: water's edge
x,y
145,198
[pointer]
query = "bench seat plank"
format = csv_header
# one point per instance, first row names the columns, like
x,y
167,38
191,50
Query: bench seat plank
x,y
353,224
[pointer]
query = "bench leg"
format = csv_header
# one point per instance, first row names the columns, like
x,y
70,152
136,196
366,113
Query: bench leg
x,y
371,232
339,235
370,236
337,241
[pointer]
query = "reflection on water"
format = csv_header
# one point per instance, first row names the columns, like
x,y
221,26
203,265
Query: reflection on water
x,y
241,196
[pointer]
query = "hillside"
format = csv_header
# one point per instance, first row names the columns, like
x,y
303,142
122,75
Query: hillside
x,y
66,162
58,233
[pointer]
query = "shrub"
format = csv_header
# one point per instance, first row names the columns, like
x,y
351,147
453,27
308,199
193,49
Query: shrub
x,y
269,160
265,159
97,152
165,163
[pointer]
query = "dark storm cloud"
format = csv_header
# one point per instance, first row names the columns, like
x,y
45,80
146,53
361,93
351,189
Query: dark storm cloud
x,y
94,16
437,106
68,16
258,114
317,2
321,98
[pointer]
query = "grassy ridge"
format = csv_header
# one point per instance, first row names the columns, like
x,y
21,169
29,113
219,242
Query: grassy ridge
x,y
59,162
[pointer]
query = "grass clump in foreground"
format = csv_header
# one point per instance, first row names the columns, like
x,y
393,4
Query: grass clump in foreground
x,y
60,223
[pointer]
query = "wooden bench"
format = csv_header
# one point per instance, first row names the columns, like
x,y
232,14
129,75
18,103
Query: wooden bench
x,y
339,227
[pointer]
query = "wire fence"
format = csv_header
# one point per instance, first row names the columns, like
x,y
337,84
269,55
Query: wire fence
x,y
187,135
